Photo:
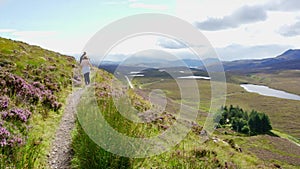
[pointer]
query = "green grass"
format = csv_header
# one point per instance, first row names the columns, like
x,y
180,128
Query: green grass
x,y
286,136
271,149
51,69
89,155
43,132
287,80
35,64
283,113
191,152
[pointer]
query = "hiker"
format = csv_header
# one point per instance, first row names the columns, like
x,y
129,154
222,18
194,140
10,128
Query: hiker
x,y
81,57
86,65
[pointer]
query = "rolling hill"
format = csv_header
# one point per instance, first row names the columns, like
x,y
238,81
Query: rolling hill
x,y
34,86
34,83
288,60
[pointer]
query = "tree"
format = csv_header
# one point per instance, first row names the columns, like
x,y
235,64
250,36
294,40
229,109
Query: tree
x,y
245,116
255,123
245,129
259,123
224,115
225,108
265,123
238,124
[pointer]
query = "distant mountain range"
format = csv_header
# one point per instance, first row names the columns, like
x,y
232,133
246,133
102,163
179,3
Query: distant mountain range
x,y
287,61
160,63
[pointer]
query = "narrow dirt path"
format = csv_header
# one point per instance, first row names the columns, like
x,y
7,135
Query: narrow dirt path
x,y
61,152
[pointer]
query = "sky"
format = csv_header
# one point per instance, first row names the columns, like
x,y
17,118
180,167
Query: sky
x,y
237,29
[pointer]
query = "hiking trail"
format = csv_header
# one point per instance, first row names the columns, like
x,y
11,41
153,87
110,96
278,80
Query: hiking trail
x,y
61,152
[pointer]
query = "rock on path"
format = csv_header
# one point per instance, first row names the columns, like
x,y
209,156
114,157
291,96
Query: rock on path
x,y
61,152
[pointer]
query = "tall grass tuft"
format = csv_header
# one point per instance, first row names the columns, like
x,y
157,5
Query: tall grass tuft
x,y
89,155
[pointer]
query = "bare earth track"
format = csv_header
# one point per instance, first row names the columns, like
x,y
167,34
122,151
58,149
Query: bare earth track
x,y
61,152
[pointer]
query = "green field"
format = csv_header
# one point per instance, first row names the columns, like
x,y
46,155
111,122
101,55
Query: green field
x,y
287,80
225,148
284,114
38,80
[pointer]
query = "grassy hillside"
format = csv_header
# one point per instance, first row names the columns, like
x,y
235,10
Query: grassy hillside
x,y
287,80
284,114
224,149
34,85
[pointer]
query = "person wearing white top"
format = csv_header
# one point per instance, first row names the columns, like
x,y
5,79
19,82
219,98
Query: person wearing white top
x,y
86,66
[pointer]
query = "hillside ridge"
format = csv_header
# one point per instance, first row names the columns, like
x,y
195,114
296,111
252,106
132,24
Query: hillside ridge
x,y
35,83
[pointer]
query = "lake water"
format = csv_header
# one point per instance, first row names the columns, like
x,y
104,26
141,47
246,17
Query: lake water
x,y
138,75
134,72
194,77
266,91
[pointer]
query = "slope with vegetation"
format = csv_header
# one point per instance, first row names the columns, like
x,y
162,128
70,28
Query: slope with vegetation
x,y
289,60
34,85
224,149
240,121
272,107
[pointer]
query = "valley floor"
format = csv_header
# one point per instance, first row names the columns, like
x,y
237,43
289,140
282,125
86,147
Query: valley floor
x,y
224,149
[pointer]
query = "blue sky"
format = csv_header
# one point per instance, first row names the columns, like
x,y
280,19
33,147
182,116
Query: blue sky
x,y
234,27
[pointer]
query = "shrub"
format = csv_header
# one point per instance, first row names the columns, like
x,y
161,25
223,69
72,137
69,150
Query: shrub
x,y
17,114
259,123
33,93
245,129
4,102
255,123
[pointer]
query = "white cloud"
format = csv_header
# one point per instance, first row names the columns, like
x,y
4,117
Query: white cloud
x,y
33,34
136,44
52,40
215,15
170,43
259,39
283,5
196,10
7,30
143,44
237,52
260,33
243,15
255,34
290,30
148,6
